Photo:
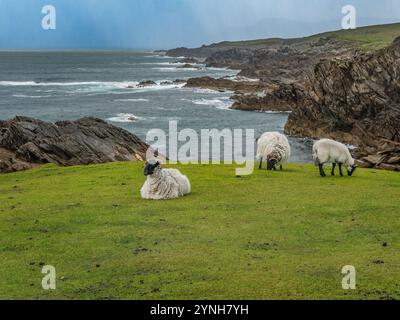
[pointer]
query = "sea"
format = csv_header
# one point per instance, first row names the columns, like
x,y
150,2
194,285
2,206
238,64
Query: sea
x,y
53,85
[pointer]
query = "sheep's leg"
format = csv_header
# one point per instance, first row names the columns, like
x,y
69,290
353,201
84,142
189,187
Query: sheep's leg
x,y
321,170
261,161
333,169
281,167
340,169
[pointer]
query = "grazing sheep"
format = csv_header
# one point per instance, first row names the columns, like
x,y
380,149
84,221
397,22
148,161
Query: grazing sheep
x,y
330,151
274,148
162,184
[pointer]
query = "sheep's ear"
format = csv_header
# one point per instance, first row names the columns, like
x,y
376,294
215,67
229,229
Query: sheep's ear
x,y
158,163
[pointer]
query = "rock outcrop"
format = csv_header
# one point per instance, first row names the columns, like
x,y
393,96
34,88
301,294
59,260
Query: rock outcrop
x,y
26,142
355,100
286,60
279,98
223,84
253,95
333,87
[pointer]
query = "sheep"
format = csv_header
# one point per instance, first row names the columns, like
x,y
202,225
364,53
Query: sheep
x,y
330,151
273,147
163,184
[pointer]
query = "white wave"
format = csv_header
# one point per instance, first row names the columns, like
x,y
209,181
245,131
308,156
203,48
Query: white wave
x,y
273,112
202,91
168,109
159,56
160,85
131,100
217,69
124,117
37,84
30,97
162,63
223,103
209,91
175,69
91,87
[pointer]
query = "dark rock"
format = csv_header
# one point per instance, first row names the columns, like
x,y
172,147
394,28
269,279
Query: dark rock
x,y
8,162
188,66
268,59
224,84
333,89
355,100
146,83
179,81
28,142
191,60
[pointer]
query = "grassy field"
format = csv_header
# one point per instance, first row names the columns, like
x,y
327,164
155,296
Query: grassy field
x,y
369,37
277,235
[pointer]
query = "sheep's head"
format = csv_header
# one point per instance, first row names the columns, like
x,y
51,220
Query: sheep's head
x,y
351,169
151,167
272,160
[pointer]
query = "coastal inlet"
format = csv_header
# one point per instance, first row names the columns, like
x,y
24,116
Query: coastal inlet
x,y
135,91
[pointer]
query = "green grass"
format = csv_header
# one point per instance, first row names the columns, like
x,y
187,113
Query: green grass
x,y
369,37
279,235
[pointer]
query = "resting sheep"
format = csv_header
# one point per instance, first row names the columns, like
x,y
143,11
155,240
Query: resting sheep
x,y
330,151
163,184
274,148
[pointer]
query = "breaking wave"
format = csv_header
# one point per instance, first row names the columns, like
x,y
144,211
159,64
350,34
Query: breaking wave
x,y
132,100
124,117
223,103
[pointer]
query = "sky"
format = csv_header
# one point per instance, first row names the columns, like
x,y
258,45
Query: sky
x,y
164,24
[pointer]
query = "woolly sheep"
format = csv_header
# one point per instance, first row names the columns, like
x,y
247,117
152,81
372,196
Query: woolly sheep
x,y
274,148
330,151
163,184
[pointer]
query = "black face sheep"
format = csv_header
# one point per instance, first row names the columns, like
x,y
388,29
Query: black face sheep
x,y
274,148
330,151
163,184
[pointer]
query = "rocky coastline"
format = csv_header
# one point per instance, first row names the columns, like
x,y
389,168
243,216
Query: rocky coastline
x,y
26,143
331,88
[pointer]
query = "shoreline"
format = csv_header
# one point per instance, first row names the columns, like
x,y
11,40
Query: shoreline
x,y
324,93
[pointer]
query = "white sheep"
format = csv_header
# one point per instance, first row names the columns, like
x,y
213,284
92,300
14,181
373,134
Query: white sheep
x,y
330,151
163,184
274,148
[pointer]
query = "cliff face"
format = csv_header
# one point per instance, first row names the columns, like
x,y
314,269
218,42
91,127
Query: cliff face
x,y
277,59
285,61
25,142
355,100
332,86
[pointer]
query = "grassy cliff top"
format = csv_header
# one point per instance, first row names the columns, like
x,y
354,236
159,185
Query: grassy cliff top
x,y
369,37
270,235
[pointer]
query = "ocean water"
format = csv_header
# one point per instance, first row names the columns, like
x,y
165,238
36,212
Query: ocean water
x,y
69,85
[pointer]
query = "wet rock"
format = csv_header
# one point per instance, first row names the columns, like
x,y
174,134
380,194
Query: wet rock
x,y
29,142
188,66
146,83
355,100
